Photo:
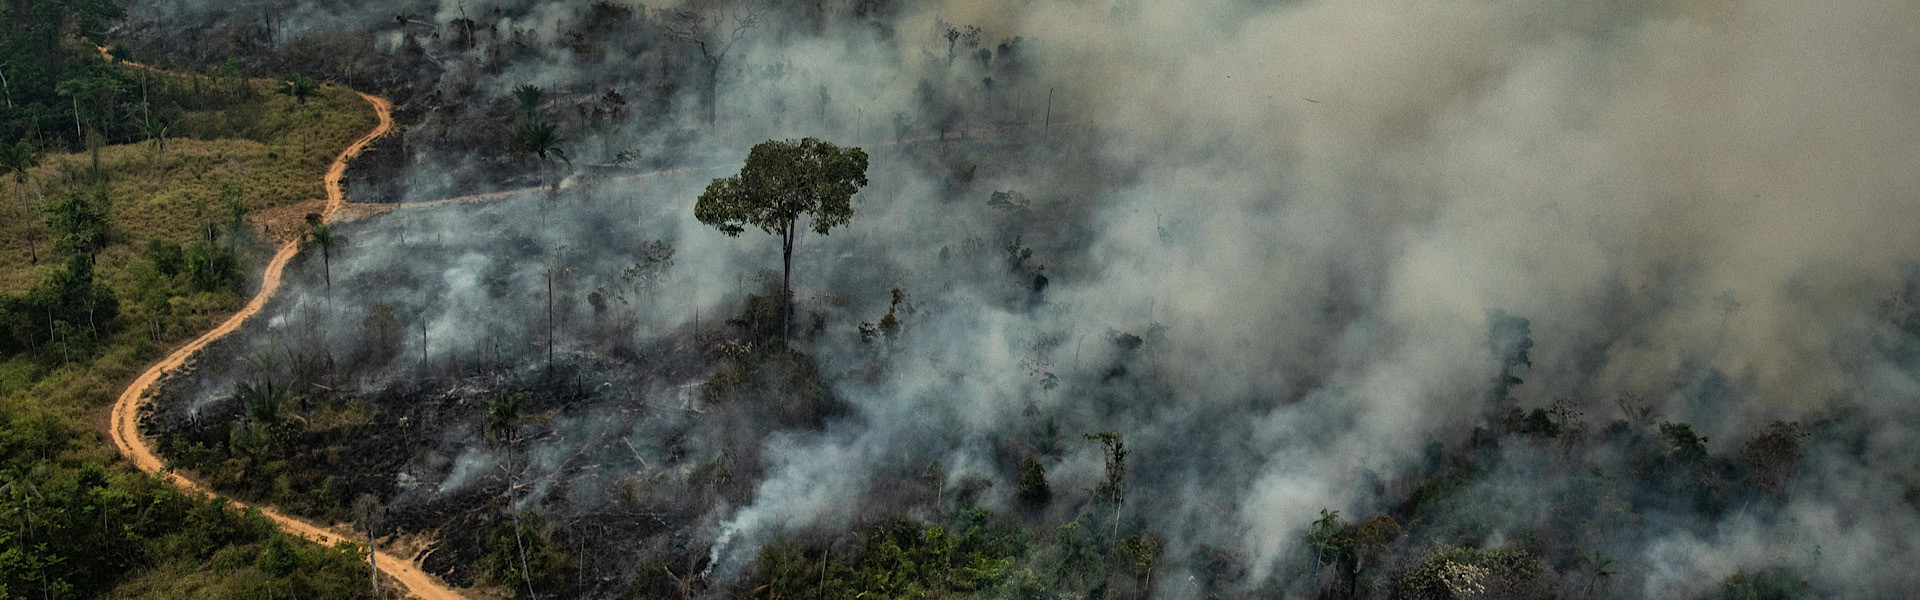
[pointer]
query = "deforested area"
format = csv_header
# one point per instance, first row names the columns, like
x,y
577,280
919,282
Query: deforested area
x,y
1072,298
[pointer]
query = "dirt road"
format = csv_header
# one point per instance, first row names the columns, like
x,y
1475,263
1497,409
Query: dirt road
x,y
124,426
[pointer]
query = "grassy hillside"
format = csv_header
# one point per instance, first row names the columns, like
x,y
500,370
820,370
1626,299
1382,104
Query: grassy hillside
x,y
266,151
136,255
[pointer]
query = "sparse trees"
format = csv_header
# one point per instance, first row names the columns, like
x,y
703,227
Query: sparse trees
x,y
782,181
19,159
713,33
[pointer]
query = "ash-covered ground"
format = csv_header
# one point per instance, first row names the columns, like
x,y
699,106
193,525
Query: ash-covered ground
x,y
1514,299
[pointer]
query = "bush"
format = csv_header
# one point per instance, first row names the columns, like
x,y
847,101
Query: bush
x,y
544,562
1454,573
1033,491
1770,584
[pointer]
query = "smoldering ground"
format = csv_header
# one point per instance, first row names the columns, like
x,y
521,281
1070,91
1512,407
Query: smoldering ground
x,y
1270,233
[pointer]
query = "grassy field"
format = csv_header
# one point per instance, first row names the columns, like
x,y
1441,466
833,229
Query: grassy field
x,y
83,524
269,152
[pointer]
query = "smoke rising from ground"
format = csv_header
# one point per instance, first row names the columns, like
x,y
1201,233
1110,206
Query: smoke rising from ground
x,y
1304,211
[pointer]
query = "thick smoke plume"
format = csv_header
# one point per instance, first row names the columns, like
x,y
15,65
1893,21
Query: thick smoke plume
x,y
1268,238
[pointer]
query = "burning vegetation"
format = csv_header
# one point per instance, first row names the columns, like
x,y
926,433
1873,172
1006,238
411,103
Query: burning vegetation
x,y
1090,300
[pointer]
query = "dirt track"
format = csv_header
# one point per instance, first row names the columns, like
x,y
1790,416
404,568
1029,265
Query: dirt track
x,y
124,426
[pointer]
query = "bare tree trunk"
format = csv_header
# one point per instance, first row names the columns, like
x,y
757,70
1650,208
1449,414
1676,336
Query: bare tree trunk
x,y
1046,127
373,570
519,541
326,268
549,322
713,91
26,216
786,278
93,148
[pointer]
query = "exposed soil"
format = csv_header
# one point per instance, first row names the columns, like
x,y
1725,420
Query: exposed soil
x,y
124,424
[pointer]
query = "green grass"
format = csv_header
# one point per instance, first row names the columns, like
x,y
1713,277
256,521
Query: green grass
x,y
84,524
267,150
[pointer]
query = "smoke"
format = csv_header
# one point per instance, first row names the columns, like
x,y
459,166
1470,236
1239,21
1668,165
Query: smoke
x,y
1301,213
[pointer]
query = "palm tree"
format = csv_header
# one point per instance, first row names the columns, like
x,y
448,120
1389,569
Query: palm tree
x,y
156,131
322,235
505,415
19,159
530,97
1599,570
300,88
540,140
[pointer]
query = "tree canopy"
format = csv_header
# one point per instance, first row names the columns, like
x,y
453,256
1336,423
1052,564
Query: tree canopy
x,y
783,180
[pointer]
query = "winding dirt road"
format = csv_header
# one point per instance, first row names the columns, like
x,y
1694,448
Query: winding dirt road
x,y
124,426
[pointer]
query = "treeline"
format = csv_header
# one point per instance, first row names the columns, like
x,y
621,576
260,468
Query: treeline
x,y
62,95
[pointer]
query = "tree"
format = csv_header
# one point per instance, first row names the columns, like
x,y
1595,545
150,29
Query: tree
x,y
156,131
372,516
1509,338
782,181
656,259
1116,481
505,415
1772,454
540,140
300,88
19,159
322,235
45,25
530,98
1032,490
81,223
713,34
94,99
236,213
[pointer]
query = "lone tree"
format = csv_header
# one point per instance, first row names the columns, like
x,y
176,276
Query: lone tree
x,y
781,181
321,234
540,140
714,33
300,88
505,415
530,98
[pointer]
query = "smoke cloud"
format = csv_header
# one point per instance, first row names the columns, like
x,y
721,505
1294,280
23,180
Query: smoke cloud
x,y
1271,234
